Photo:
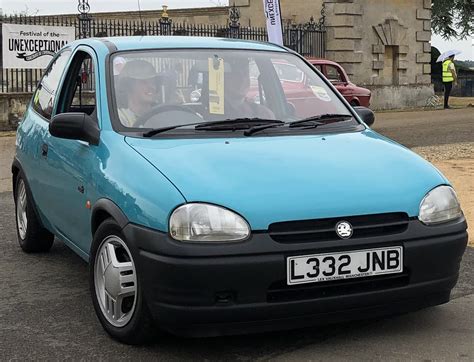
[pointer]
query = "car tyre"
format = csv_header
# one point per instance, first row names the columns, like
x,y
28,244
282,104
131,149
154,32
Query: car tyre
x,y
115,287
32,236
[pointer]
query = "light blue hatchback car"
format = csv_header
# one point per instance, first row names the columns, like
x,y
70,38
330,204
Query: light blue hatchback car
x,y
211,195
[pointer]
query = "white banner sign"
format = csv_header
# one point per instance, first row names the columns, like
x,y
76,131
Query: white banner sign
x,y
32,46
272,13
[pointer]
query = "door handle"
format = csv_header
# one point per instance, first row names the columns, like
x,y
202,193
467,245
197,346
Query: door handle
x,y
44,149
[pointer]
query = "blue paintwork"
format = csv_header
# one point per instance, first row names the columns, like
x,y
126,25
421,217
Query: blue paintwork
x,y
265,179
270,179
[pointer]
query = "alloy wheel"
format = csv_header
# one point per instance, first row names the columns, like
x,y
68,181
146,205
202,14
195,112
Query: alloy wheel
x,y
115,281
21,205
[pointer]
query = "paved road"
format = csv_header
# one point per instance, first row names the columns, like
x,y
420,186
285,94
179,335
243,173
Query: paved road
x,y
46,313
7,145
427,128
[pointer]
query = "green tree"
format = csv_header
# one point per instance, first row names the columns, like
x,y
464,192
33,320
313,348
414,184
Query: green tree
x,y
449,15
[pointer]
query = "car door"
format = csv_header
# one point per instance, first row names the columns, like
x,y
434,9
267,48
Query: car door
x,y
336,77
70,162
32,146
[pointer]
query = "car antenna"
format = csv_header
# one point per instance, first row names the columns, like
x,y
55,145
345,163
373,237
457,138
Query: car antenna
x,y
140,15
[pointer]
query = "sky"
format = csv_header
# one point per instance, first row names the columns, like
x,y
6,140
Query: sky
x,y
70,6
466,46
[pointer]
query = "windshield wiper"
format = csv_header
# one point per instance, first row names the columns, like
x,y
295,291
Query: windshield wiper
x,y
255,129
236,123
224,125
310,122
253,125
323,119
156,131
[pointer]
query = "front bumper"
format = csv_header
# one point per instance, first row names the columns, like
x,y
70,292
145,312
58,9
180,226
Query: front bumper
x,y
239,288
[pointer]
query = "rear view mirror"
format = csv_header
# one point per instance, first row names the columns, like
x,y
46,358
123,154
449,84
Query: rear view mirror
x,y
366,115
75,126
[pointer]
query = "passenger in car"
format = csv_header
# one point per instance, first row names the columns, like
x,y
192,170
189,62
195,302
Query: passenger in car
x,y
237,86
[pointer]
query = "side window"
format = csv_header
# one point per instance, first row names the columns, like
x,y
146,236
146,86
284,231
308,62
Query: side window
x,y
43,100
288,72
318,67
256,93
311,81
333,74
79,90
292,80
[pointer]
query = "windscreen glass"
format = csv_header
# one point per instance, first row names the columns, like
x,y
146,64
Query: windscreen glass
x,y
160,88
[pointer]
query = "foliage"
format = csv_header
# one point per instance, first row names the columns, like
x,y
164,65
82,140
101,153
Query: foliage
x,y
453,18
464,65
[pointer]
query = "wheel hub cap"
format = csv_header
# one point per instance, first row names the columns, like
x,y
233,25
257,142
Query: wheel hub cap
x,y
115,281
22,220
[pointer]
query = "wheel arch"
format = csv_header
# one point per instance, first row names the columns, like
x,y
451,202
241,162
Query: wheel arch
x,y
355,102
104,209
16,168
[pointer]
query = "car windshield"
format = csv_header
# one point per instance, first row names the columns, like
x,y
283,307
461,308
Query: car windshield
x,y
166,88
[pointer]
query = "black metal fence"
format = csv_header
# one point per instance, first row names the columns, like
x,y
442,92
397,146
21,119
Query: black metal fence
x,y
464,87
307,39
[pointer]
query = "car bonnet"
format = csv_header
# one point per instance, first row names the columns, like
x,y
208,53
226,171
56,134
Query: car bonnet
x,y
271,179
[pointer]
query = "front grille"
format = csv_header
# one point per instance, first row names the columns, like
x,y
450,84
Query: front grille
x,y
325,229
281,292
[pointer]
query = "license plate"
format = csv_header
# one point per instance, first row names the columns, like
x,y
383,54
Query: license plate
x,y
335,266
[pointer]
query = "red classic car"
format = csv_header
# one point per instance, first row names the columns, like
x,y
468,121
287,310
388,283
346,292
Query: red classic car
x,y
356,96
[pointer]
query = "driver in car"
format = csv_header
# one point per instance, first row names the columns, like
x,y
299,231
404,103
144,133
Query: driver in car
x,y
237,87
137,91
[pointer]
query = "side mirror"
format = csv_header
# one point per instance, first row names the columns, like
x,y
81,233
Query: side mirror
x,y
366,114
75,126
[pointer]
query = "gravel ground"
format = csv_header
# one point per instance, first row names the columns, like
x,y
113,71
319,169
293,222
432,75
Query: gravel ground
x,y
464,150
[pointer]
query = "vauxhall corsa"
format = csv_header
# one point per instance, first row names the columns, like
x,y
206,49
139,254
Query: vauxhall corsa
x,y
214,213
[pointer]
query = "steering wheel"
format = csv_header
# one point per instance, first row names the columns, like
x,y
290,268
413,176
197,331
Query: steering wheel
x,y
161,108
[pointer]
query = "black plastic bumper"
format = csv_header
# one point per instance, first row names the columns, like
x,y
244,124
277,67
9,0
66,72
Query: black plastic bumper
x,y
239,288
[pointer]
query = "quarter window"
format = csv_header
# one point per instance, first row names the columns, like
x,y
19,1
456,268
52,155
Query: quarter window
x,y
45,95
333,74
318,66
79,88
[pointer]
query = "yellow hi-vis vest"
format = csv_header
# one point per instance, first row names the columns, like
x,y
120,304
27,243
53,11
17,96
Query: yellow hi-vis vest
x,y
447,75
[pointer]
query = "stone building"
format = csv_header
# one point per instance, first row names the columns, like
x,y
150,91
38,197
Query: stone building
x,y
383,44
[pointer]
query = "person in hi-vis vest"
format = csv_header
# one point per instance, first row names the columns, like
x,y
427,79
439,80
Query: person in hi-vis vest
x,y
449,77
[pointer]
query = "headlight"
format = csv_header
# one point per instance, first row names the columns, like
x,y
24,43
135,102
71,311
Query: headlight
x,y
440,205
208,223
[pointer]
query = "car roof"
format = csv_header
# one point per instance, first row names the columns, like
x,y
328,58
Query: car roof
x,y
321,61
180,42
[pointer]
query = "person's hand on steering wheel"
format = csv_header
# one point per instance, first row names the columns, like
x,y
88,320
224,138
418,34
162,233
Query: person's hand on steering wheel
x,y
162,108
